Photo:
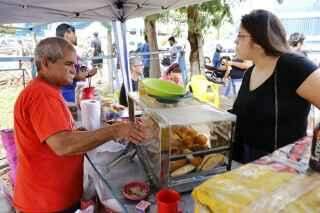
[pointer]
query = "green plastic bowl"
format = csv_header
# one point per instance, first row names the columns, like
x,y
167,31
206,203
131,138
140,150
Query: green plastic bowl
x,y
162,88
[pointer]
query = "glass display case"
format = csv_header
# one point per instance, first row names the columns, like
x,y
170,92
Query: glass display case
x,y
188,141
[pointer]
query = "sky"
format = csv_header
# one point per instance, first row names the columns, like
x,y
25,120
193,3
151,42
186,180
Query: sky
x,y
288,6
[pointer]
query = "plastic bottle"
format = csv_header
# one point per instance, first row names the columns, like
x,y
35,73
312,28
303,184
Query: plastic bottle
x,y
314,162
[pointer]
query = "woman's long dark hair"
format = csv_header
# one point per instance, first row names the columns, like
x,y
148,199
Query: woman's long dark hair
x,y
267,31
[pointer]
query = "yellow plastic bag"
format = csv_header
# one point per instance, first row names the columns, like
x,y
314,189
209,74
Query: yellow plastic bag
x,y
258,188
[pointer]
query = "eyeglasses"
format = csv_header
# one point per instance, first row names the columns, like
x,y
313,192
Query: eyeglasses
x,y
243,35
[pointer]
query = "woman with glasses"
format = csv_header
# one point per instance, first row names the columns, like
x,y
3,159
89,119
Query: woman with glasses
x,y
274,99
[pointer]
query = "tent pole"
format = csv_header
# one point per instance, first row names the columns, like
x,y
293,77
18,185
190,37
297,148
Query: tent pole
x,y
123,54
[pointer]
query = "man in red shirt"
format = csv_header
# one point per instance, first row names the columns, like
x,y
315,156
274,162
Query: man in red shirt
x,y
50,150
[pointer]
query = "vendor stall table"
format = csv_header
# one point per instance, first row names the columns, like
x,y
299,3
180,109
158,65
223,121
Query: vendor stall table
x,y
280,182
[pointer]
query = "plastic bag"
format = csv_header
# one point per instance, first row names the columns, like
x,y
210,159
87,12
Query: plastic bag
x,y
259,188
8,141
6,204
93,184
89,209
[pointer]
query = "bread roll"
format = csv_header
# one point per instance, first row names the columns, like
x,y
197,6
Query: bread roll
x,y
191,132
174,165
176,150
211,161
183,170
188,141
200,139
196,161
176,137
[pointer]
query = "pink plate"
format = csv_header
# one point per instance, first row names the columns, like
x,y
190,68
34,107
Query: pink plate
x,y
136,190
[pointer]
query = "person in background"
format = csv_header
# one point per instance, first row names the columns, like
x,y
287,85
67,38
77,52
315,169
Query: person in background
x,y
68,33
216,58
136,69
177,55
50,149
235,70
274,99
22,52
173,74
145,50
21,49
296,43
97,51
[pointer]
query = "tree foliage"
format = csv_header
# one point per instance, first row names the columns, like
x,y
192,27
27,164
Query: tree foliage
x,y
200,18
107,25
7,30
212,13
215,12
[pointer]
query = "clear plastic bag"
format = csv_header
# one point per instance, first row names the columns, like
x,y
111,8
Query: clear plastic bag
x,y
259,188
93,184
89,209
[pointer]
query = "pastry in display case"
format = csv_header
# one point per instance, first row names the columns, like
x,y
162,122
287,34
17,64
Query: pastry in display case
x,y
187,142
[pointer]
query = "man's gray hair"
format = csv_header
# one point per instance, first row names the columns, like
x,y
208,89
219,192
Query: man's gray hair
x,y
52,49
135,60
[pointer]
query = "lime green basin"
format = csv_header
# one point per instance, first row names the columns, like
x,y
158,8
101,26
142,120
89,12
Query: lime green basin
x,y
162,88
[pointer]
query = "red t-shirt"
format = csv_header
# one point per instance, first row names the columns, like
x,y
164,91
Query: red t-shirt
x,y
45,181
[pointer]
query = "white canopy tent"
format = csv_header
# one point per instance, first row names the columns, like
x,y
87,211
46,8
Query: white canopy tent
x,y
118,11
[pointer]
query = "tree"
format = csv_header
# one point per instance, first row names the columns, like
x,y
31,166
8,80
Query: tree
x,y
195,39
200,18
216,14
151,32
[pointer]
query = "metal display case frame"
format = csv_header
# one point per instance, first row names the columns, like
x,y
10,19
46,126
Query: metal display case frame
x,y
160,177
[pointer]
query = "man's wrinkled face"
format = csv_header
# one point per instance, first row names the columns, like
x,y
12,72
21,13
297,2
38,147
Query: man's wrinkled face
x,y
137,68
61,72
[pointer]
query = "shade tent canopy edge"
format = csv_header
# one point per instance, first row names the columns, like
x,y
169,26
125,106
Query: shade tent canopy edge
x,y
22,11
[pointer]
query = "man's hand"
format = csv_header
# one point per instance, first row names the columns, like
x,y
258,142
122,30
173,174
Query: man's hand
x,y
92,72
226,74
225,80
133,132
85,73
229,63
81,75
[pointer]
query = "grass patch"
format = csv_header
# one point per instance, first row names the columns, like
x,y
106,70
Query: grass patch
x,y
8,96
